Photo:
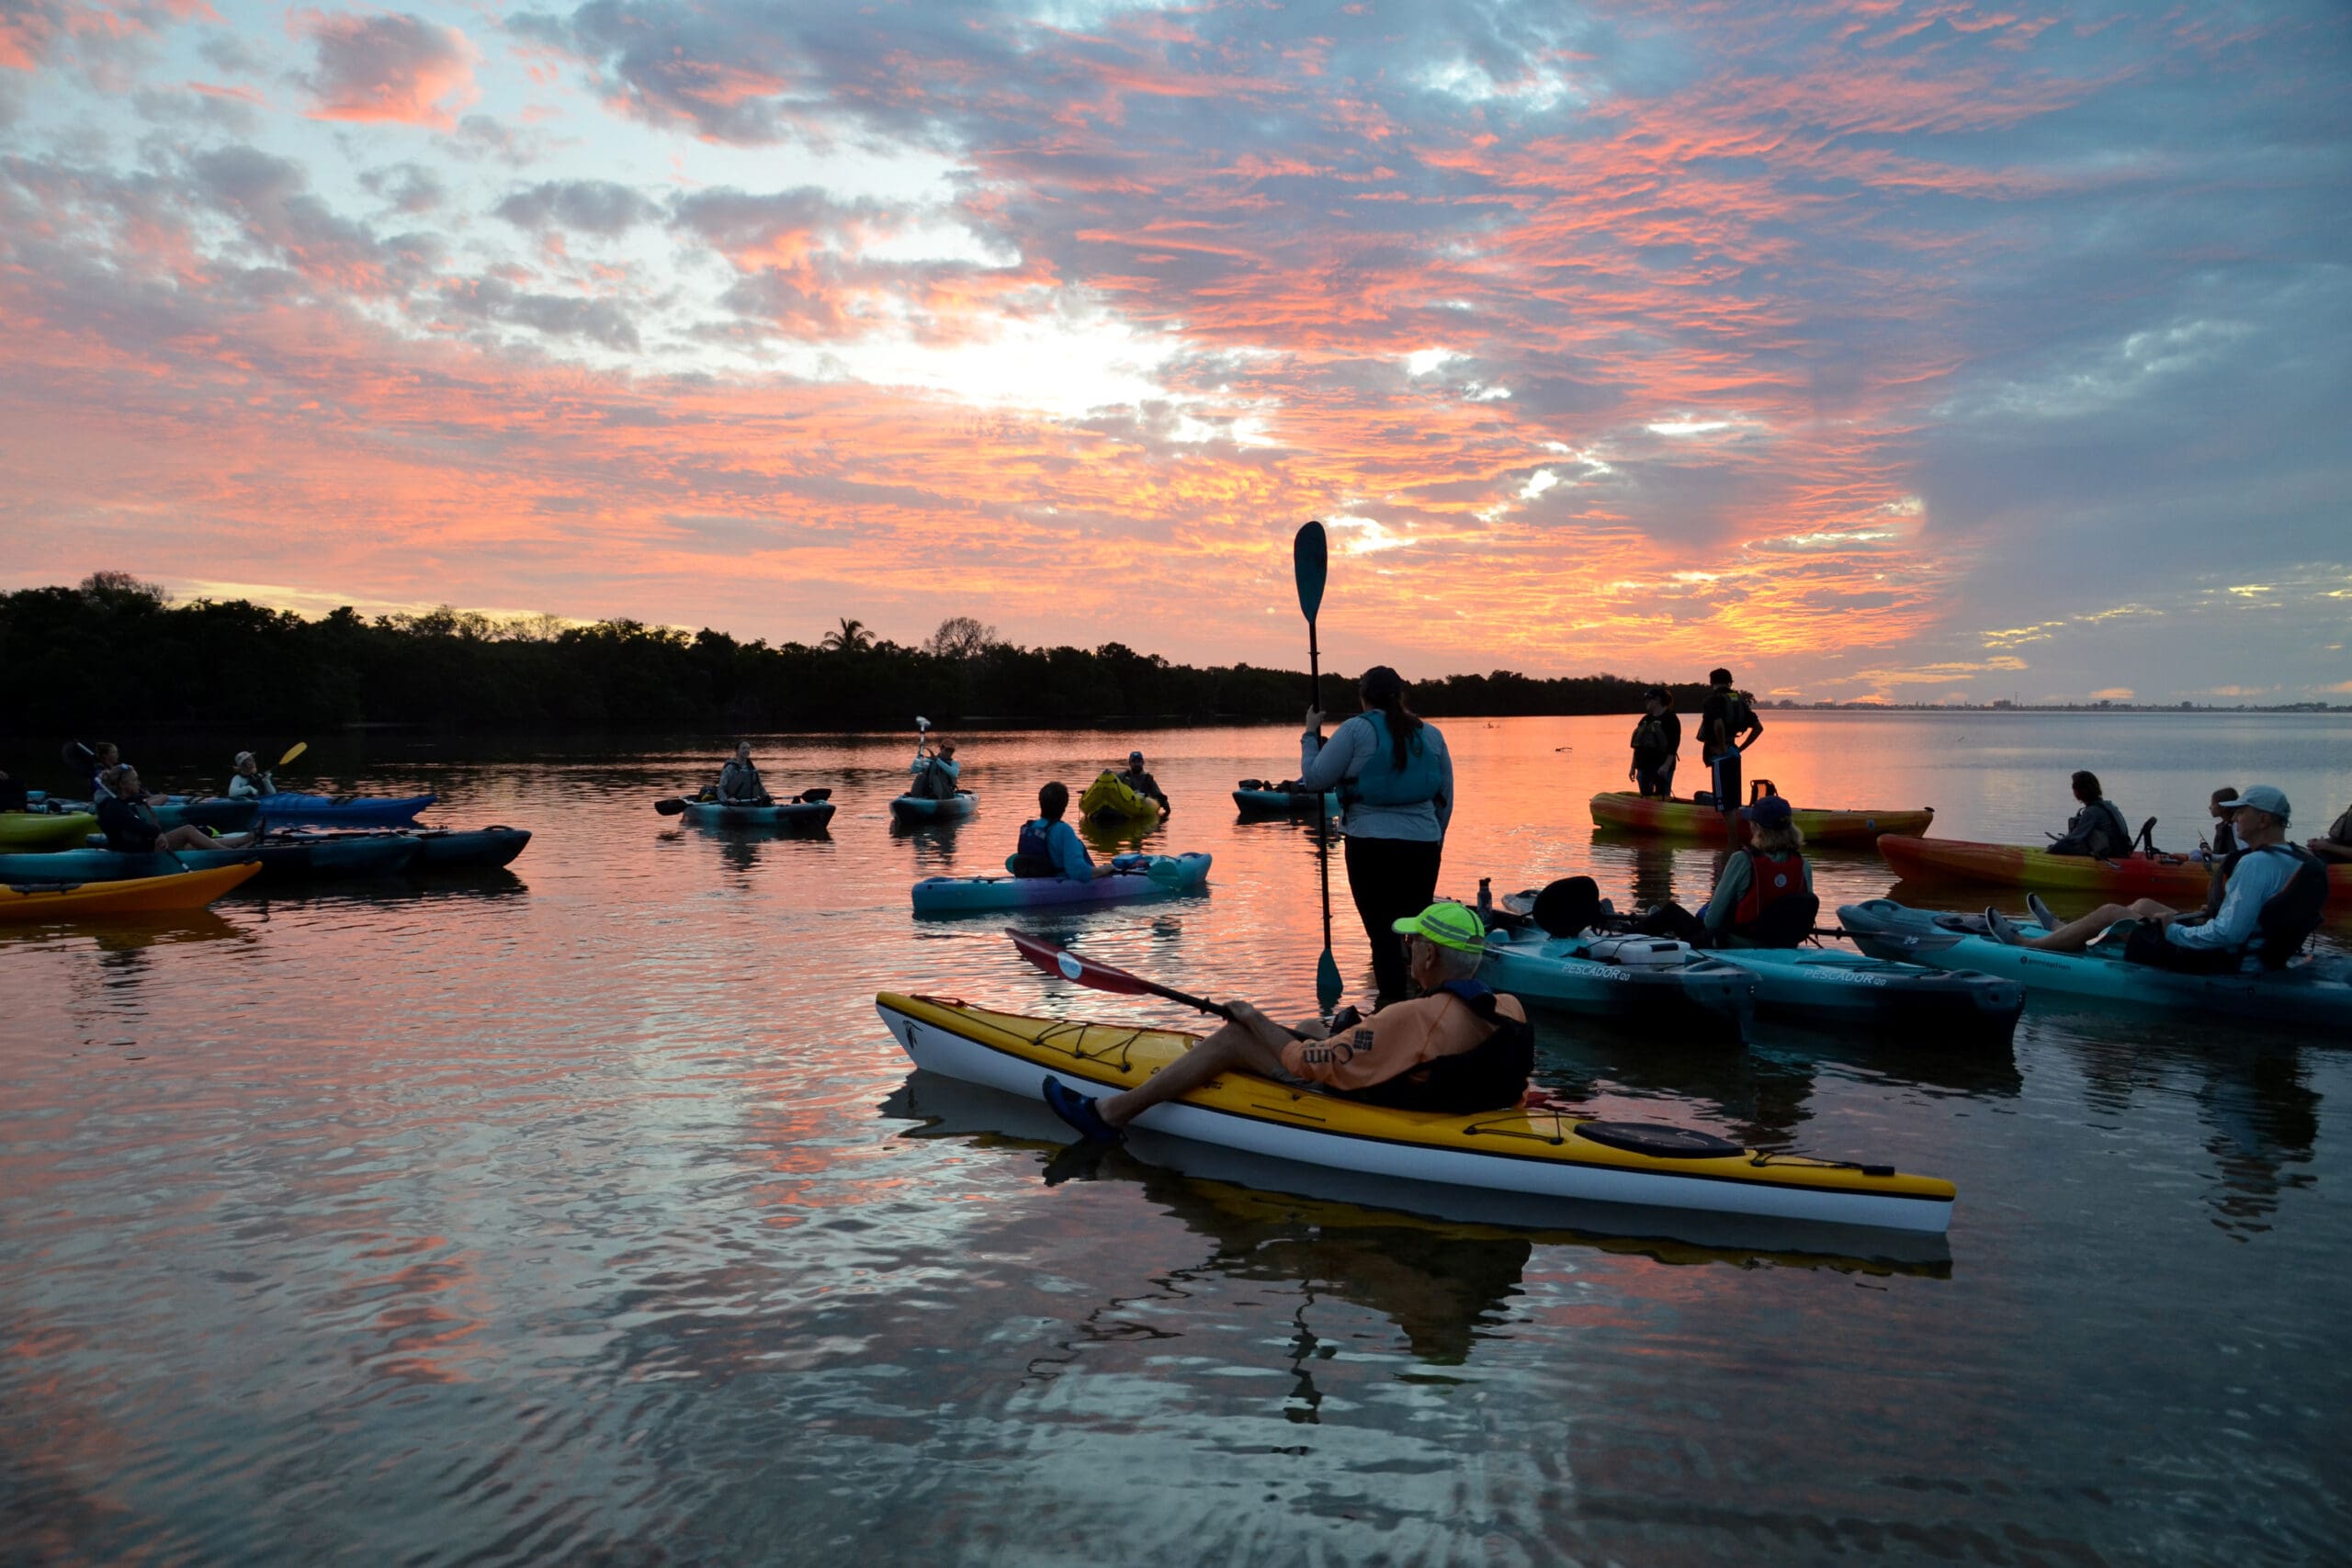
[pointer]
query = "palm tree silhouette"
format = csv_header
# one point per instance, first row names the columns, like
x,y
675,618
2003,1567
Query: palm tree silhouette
x,y
852,639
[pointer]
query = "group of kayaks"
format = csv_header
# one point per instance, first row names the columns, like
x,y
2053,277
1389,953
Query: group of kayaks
x,y
55,866
1920,978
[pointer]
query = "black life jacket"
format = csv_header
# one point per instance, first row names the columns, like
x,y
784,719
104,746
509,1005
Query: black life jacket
x,y
127,831
2290,916
1034,855
1491,1076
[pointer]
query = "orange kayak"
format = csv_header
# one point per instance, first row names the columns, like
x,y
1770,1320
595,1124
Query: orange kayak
x,y
1685,819
139,895
2175,879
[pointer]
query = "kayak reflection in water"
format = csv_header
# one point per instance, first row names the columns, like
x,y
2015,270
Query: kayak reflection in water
x,y
1460,1048
2276,895
739,781
1049,846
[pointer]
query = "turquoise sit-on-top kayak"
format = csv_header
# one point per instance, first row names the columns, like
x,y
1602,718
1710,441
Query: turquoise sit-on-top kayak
x,y
1658,987
917,808
1134,878
2316,993
1911,1003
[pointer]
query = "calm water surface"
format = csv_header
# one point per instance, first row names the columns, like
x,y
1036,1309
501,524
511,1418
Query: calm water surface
x,y
586,1212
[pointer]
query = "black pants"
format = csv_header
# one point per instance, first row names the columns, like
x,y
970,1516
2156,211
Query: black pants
x,y
1653,775
1392,878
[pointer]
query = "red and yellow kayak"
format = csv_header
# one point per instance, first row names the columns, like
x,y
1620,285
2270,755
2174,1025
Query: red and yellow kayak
x,y
1687,819
2172,879
138,896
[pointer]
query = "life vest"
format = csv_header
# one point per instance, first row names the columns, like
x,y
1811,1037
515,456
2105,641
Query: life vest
x,y
1034,855
1778,908
1491,1076
1649,735
2290,916
1383,783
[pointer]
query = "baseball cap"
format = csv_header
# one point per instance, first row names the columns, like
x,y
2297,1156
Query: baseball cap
x,y
1448,924
1770,812
2262,797
1134,756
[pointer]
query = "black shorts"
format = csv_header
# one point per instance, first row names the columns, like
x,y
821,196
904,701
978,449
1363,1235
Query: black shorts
x,y
1726,770
2146,944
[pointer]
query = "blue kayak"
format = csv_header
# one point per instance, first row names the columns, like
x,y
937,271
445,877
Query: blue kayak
x,y
431,849
1134,877
1660,987
1913,1004
282,861
917,808
351,810
2316,993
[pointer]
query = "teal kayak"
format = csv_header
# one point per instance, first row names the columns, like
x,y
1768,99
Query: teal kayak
x,y
216,812
1134,877
282,861
1910,1002
2316,993
1656,986
784,814
917,808
1256,798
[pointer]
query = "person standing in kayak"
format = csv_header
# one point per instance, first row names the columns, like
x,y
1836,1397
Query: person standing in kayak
x,y
1656,739
249,782
1136,778
2276,893
1049,846
1396,784
2098,829
739,781
1460,1048
1722,721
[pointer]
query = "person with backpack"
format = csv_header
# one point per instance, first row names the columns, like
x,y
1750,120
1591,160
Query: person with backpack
x,y
1458,1048
2276,895
1725,717
1656,738
2097,829
1764,896
1396,784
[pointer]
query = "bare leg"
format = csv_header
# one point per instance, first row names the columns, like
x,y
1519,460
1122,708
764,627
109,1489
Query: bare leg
x,y
185,838
2078,934
1234,1047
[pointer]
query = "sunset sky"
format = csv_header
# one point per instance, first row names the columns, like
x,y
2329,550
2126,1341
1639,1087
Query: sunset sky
x,y
1930,350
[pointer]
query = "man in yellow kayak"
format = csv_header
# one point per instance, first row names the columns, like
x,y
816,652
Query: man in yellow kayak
x,y
1137,779
1460,1048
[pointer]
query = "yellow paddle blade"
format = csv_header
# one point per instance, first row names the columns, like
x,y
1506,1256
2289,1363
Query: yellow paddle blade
x,y
293,751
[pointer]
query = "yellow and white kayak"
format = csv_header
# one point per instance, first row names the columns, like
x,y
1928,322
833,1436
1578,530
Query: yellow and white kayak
x,y
1547,1154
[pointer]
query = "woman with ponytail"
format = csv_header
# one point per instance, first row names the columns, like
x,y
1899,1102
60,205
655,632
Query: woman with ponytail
x,y
1396,781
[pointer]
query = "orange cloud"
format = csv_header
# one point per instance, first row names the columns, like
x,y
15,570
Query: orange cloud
x,y
387,66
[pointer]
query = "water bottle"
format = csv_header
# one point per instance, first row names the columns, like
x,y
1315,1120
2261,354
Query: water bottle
x,y
1486,900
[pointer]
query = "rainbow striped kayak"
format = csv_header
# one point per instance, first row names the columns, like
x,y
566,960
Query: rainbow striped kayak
x,y
2176,879
1534,1153
1632,813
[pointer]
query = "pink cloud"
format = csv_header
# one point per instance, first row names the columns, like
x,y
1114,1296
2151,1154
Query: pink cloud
x,y
388,66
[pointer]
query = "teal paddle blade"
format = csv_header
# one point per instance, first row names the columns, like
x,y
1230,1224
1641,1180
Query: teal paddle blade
x,y
1327,984
1310,556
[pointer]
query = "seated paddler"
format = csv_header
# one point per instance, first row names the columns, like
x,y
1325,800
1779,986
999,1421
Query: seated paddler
x,y
1050,846
1763,897
1459,1048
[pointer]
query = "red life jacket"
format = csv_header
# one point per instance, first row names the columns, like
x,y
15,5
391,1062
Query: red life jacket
x,y
1769,881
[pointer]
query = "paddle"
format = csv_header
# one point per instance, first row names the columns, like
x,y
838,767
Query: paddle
x,y
672,807
1310,558
1100,977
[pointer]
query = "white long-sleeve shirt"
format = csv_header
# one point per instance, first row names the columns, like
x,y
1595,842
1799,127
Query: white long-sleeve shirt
x,y
2261,876
1325,764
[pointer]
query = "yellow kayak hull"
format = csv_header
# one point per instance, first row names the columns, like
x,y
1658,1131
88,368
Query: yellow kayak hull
x,y
137,895
36,830
1529,1153
1107,798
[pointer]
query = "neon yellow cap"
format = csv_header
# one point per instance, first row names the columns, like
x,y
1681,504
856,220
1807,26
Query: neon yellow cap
x,y
1448,924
